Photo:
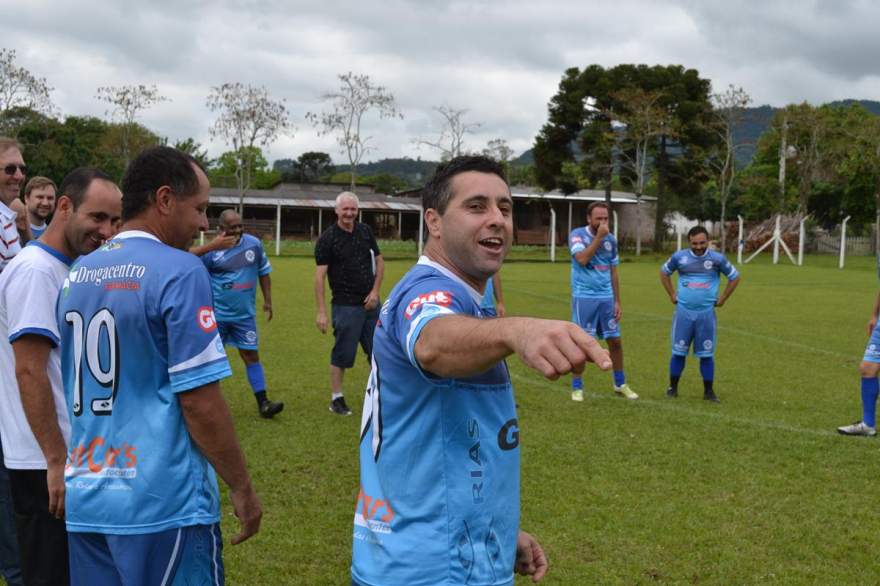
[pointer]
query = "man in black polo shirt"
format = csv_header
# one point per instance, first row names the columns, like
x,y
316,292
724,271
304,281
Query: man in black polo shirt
x,y
347,253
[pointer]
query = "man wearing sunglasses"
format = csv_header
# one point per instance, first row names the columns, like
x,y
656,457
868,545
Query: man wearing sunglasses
x,y
12,174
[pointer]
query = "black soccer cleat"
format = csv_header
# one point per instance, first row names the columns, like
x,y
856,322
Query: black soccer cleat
x,y
339,407
711,396
269,409
672,393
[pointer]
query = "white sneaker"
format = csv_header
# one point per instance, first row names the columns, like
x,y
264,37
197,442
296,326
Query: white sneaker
x,y
857,428
577,395
624,391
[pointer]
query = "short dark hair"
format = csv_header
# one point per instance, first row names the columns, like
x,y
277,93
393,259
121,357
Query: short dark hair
x,y
438,190
37,183
77,182
597,204
152,169
697,230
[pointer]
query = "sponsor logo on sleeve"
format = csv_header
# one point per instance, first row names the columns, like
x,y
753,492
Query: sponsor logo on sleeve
x,y
441,298
576,239
206,319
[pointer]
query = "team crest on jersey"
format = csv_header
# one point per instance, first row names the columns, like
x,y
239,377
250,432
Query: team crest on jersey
x,y
607,246
250,256
206,319
707,264
442,298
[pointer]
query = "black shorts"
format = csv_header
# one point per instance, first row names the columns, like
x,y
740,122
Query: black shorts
x,y
42,539
352,324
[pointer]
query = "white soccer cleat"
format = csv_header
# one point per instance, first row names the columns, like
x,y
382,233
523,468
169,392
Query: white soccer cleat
x,y
577,395
857,428
624,391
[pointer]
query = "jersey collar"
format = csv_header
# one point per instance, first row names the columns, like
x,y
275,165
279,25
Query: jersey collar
x,y
51,251
424,260
700,256
126,234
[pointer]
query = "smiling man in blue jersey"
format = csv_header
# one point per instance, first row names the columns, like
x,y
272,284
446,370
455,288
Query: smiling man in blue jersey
x,y
141,365
235,273
33,415
595,292
439,453
695,299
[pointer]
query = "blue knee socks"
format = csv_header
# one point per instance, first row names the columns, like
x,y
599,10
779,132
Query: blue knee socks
x,y
256,377
870,390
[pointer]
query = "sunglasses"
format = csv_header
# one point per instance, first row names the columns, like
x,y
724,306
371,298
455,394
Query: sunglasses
x,y
10,169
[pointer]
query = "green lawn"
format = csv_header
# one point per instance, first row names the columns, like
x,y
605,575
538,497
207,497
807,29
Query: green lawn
x,y
759,489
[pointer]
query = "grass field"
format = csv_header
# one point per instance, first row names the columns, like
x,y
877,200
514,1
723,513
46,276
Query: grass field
x,y
759,489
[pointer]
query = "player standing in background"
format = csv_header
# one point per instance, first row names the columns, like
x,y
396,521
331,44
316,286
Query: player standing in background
x,y
39,198
699,274
869,369
439,501
141,360
33,412
595,292
234,274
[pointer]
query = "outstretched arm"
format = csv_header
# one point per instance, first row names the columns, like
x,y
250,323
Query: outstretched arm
x,y
457,346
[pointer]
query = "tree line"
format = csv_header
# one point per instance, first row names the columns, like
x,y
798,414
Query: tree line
x,y
652,130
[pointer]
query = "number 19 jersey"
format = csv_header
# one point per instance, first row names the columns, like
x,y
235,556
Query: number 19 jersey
x,y
137,327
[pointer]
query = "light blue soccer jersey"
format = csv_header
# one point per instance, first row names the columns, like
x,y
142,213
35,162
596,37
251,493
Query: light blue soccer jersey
x,y
698,277
137,327
37,231
594,280
439,458
234,276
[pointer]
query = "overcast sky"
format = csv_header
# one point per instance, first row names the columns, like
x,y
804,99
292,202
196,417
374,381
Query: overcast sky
x,y
502,59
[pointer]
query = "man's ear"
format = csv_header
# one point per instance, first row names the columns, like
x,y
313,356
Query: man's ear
x,y
165,200
433,221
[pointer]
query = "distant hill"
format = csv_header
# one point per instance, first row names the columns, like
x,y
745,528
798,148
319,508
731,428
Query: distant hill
x,y
414,171
755,122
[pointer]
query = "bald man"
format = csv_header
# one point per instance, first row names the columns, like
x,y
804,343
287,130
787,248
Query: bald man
x,y
237,262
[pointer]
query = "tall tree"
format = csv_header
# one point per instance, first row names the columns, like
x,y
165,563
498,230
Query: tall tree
x,y
636,127
126,103
312,165
498,149
450,142
247,117
728,110
357,95
19,88
196,150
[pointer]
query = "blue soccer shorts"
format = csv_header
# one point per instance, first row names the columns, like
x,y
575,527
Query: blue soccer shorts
x,y
872,350
240,333
694,327
176,557
595,316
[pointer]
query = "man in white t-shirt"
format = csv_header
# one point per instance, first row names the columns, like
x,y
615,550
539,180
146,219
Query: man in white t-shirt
x,y
34,423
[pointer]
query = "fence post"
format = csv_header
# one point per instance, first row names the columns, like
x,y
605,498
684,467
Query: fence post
x,y
278,229
801,243
677,237
552,234
843,240
739,243
616,224
777,235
